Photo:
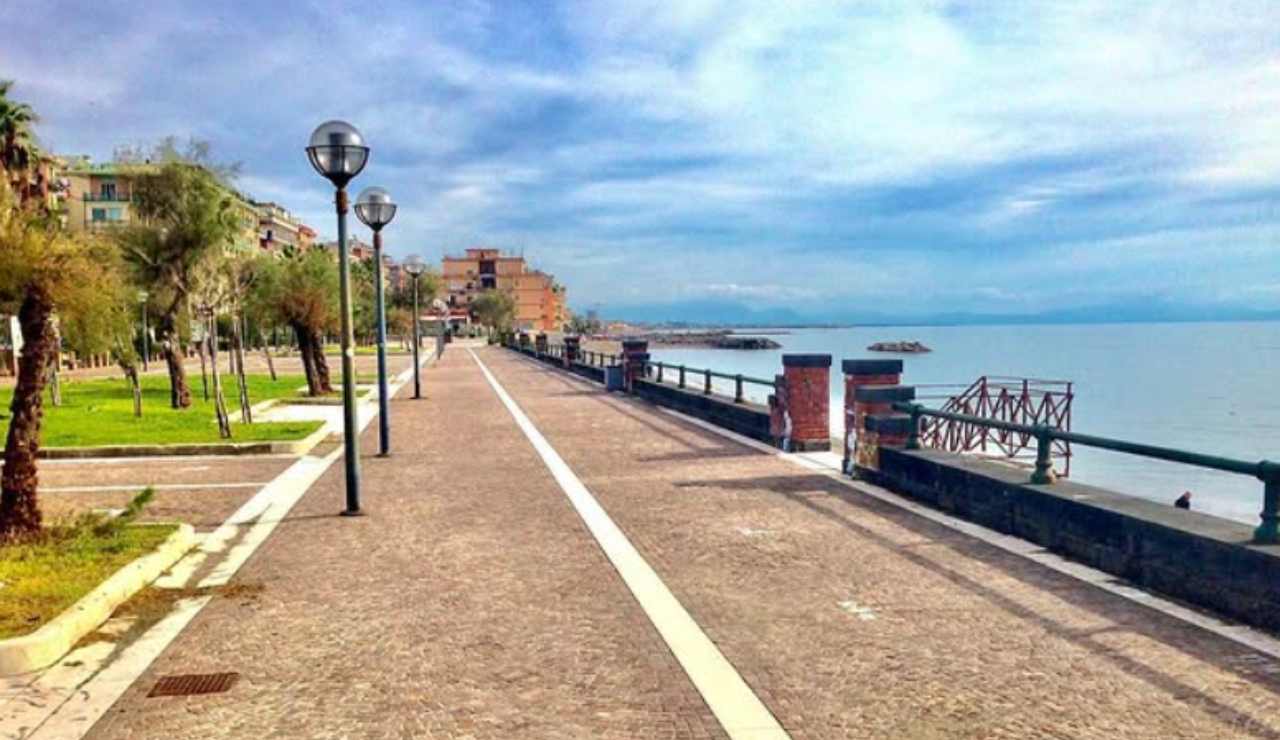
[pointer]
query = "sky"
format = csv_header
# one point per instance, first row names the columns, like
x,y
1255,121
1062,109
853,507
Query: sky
x,y
850,158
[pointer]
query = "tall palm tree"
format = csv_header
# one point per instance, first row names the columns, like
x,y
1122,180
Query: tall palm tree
x,y
19,152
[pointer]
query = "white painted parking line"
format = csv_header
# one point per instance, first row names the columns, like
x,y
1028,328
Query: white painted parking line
x,y
735,706
153,486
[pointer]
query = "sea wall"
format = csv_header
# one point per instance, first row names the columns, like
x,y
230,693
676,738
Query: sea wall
x,y
748,419
1199,558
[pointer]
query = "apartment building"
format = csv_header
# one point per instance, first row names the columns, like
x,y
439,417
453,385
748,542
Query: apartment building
x,y
278,229
539,299
100,196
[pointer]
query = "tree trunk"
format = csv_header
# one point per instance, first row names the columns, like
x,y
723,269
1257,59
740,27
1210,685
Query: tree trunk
x,y
219,401
308,362
271,365
202,348
237,338
19,507
131,374
321,363
179,393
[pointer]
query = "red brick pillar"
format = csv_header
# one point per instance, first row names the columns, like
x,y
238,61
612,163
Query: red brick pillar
x,y
858,373
572,348
877,423
540,343
635,356
801,407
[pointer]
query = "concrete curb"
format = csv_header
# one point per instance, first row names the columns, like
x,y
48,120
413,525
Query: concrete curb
x,y
46,645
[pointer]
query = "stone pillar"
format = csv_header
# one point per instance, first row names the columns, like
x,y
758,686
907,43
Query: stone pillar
x,y
858,373
800,408
880,425
572,349
635,356
540,343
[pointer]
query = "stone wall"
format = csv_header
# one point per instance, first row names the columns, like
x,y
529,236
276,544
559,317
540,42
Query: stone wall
x,y
1191,556
748,419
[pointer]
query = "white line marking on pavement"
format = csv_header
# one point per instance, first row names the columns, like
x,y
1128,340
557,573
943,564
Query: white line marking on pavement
x,y
828,464
155,486
59,462
739,711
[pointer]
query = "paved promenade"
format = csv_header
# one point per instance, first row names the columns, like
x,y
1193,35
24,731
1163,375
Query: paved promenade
x,y
473,601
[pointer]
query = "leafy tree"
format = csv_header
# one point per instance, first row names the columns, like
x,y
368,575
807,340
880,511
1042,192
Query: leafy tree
x,y
428,288
186,218
495,309
44,270
363,316
301,291
585,324
196,152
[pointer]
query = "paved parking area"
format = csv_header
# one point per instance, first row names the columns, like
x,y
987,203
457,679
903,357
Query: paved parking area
x,y
202,491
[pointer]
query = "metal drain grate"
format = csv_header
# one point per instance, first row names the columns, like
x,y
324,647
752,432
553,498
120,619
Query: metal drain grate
x,y
193,683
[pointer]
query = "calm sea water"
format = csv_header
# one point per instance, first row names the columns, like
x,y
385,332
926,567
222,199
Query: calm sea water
x,y
1208,387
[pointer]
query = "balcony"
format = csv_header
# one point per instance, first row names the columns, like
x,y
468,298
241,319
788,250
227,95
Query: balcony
x,y
106,198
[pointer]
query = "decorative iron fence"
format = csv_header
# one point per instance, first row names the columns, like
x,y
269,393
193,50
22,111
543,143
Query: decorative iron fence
x,y
1023,401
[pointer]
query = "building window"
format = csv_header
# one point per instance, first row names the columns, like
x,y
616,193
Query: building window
x,y
99,214
115,214
108,191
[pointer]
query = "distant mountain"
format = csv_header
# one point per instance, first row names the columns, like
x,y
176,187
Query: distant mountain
x,y
705,311
732,313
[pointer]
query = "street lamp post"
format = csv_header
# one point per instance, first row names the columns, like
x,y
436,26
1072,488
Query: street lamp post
x,y
415,268
146,345
338,152
375,209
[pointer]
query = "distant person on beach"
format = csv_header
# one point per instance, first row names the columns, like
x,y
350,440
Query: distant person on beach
x,y
1184,501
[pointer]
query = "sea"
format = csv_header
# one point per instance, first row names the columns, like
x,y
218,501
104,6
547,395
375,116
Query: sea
x,y
1206,387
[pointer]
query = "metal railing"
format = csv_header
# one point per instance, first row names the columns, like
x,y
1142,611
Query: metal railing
x,y
658,371
683,372
1267,533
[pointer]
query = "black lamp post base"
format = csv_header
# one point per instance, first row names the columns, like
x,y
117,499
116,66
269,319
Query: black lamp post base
x,y
351,512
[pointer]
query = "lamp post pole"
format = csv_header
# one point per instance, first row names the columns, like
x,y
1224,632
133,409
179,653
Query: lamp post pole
x,y
351,445
380,311
375,209
414,267
337,151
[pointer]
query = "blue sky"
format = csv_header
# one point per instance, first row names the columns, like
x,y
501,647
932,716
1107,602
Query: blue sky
x,y
889,157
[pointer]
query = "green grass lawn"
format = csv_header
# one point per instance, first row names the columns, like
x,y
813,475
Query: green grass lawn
x,y
40,580
100,412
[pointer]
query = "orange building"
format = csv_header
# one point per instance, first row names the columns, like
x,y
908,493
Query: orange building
x,y
539,299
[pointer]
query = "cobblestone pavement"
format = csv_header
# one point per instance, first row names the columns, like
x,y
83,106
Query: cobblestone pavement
x,y
853,619
468,602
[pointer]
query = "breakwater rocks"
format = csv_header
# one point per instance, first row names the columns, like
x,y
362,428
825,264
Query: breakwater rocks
x,y
905,347
712,339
